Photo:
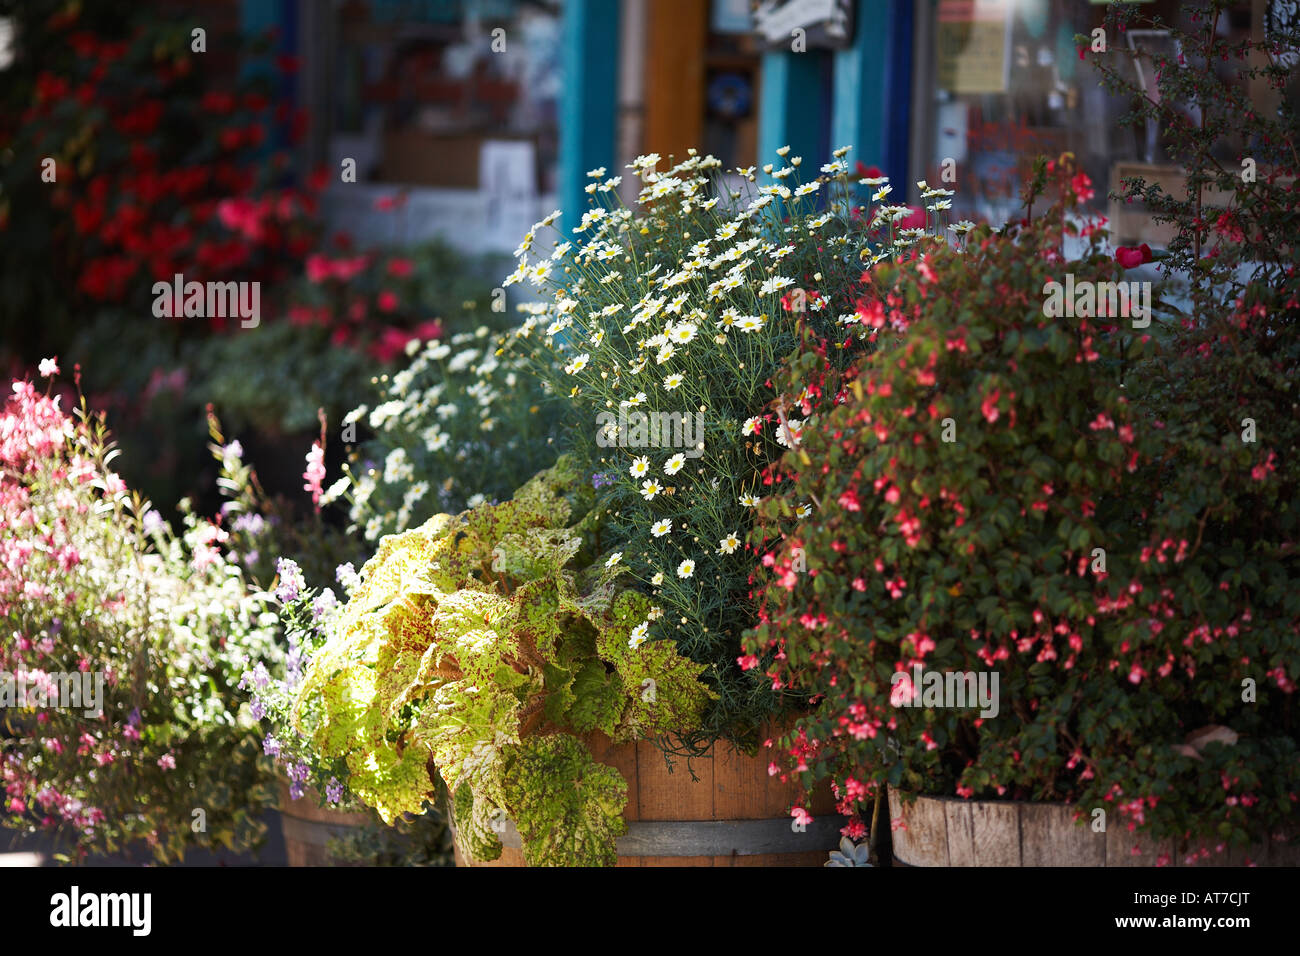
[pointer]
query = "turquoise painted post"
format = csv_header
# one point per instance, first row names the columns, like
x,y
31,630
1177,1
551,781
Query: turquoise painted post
x,y
872,89
790,106
588,100
255,18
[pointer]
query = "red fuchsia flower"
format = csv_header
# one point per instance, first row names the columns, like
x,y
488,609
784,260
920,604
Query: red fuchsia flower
x,y
387,301
990,405
1081,186
400,268
318,268
1130,257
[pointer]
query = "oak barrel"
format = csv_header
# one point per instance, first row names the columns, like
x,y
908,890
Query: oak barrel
x,y
308,827
945,831
735,814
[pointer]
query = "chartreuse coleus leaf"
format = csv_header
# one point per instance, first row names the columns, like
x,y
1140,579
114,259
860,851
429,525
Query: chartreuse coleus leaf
x,y
472,642
567,807
474,819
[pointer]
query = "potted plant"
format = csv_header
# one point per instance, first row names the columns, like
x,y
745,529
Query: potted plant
x,y
688,336
1046,574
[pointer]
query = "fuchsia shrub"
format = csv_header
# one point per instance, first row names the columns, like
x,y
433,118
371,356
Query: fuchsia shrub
x,y
1071,503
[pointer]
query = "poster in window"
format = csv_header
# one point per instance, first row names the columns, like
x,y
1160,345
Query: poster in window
x,y
971,42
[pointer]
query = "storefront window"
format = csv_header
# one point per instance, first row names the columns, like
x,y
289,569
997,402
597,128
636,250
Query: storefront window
x,y
441,92
1007,84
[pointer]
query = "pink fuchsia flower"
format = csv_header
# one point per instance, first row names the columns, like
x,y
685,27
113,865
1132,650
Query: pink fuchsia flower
x,y
903,692
167,762
387,301
49,367
315,473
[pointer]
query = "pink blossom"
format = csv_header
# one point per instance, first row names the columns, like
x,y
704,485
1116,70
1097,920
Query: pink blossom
x,y
315,473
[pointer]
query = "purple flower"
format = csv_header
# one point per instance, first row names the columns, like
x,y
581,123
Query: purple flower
x,y
299,772
271,746
261,676
233,450
334,791
295,791
600,480
258,710
291,582
347,576
325,603
252,524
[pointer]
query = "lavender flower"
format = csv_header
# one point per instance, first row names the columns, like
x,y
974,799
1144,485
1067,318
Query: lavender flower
x,y
295,791
271,746
600,480
299,772
334,791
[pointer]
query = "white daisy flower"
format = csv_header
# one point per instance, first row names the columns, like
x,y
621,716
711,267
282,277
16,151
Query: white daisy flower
x,y
614,559
686,568
749,323
682,333
650,488
749,501
774,284
752,426
790,433
638,635
656,579
661,527
672,381
729,544
656,612
640,466
675,464
804,510
578,364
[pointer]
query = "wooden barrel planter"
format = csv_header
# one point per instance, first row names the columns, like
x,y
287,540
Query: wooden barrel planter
x,y
308,827
945,831
734,815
